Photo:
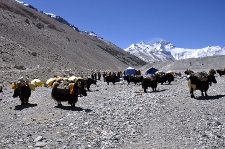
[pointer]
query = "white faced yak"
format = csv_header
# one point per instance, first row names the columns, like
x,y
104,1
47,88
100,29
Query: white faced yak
x,y
66,90
149,81
200,81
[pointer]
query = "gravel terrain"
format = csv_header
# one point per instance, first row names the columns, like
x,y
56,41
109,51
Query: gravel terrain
x,y
33,45
116,116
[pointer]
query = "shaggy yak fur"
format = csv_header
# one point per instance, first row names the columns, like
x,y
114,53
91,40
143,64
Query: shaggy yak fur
x,y
221,72
168,77
136,79
149,82
72,98
196,83
88,82
111,78
23,91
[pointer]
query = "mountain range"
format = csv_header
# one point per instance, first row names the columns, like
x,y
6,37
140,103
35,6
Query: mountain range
x,y
35,44
164,50
158,51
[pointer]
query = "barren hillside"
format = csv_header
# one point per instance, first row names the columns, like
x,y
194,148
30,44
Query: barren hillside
x,y
119,116
33,44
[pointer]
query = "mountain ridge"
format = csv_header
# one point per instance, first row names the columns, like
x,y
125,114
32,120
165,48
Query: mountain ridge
x,y
36,45
163,50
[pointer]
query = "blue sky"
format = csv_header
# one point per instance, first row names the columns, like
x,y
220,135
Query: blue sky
x,y
185,23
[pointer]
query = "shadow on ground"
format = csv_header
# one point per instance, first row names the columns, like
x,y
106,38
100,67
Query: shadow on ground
x,y
157,91
21,107
209,97
73,108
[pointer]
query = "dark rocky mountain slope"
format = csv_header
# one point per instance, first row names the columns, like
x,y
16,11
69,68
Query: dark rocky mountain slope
x,y
36,45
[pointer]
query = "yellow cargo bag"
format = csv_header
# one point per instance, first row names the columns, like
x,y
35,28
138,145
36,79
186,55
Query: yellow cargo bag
x,y
31,86
37,82
50,81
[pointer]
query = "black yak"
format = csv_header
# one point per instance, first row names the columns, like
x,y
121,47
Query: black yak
x,y
136,79
200,81
88,82
22,90
111,78
221,72
64,90
149,82
167,77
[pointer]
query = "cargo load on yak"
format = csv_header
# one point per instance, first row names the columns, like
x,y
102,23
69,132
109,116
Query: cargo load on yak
x,y
50,81
68,90
202,76
65,86
160,73
37,83
74,78
22,81
171,72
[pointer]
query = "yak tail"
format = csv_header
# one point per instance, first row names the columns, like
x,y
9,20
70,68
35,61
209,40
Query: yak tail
x,y
191,86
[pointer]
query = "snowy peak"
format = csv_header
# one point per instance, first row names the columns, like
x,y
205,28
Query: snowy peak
x,y
27,5
91,33
162,45
62,20
57,18
163,50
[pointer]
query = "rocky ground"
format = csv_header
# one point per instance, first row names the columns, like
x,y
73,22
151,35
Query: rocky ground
x,y
116,116
111,116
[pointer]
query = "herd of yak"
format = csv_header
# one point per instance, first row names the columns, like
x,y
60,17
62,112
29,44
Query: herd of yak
x,y
68,89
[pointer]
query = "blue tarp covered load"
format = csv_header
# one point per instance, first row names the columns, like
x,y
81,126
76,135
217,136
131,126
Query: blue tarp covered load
x,y
130,71
151,71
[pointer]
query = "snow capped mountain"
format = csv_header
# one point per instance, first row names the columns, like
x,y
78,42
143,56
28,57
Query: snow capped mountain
x,y
27,5
164,50
62,20
91,33
58,18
